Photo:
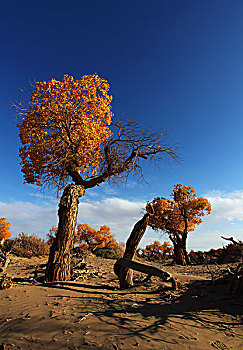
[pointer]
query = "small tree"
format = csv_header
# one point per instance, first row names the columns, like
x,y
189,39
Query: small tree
x,y
70,144
4,230
94,239
156,251
178,217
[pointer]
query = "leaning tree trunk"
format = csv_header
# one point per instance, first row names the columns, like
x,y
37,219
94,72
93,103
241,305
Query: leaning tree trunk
x,y
180,254
125,274
59,266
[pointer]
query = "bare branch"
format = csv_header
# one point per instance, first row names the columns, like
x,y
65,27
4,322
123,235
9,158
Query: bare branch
x,y
231,239
130,145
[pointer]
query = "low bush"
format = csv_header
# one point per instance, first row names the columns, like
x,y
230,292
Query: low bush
x,y
109,253
231,253
27,246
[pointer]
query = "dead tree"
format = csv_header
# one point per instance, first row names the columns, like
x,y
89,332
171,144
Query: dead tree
x,y
124,274
234,276
5,281
149,270
124,267
4,259
231,239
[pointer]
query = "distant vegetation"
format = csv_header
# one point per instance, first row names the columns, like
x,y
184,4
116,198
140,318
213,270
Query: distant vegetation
x,y
27,246
229,254
109,253
103,244
92,239
156,251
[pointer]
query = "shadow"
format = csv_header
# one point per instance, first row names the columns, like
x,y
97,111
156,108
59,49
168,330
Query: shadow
x,y
94,289
79,285
199,304
73,287
202,304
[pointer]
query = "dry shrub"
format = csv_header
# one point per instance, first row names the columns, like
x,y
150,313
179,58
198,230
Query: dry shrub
x,y
231,253
27,246
109,253
80,252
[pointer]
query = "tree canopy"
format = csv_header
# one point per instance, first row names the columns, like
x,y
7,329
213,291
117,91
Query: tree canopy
x,y
93,239
63,129
4,229
156,251
67,133
180,215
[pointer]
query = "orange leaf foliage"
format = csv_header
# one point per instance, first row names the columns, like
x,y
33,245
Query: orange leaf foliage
x,y
156,250
64,128
94,239
4,229
181,215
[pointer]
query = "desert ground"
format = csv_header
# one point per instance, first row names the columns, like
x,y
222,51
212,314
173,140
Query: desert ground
x,y
92,313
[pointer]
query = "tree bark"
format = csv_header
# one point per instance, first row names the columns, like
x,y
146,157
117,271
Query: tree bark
x,y
5,260
125,274
59,266
180,254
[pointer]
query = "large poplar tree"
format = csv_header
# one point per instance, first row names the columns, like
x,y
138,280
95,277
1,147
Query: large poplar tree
x,y
70,143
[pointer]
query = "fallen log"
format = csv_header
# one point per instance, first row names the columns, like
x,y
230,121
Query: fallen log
x,y
148,269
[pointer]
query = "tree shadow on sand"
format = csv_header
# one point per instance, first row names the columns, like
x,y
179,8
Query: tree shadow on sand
x,y
199,304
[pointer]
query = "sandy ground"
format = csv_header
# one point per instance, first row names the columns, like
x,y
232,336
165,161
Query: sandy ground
x,y
92,313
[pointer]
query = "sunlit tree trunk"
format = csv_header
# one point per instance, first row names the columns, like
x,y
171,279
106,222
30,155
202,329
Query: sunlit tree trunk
x,y
180,253
59,266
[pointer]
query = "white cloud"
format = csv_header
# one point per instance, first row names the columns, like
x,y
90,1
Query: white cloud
x,y
28,217
225,206
225,220
205,240
121,215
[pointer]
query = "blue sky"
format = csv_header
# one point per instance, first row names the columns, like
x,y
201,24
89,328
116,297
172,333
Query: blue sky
x,y
172,65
